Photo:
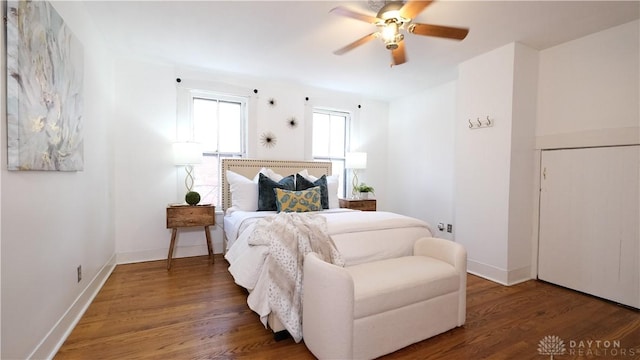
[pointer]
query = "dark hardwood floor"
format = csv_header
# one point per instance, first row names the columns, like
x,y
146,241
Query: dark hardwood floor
x,y
196,311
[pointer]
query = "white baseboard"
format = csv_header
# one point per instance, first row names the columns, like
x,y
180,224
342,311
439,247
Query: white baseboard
x,y
498,275
161,254
519,275
52,342
54,339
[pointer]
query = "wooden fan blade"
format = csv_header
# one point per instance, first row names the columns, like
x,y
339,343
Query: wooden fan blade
x,y
343,11
399,55
412,8
356,43
438,31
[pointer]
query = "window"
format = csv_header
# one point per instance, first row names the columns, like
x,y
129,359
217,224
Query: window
x,y
330,135
219,124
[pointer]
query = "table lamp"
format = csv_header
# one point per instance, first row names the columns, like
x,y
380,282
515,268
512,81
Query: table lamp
x,y
188,154
355,161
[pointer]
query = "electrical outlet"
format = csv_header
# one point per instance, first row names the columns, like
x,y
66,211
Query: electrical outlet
x,y
79,270
449,228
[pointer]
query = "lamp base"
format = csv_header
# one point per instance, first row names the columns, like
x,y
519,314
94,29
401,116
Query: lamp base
x,y
188,180
354,184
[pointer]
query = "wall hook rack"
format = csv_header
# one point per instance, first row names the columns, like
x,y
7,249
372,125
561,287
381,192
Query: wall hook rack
x,y
477,124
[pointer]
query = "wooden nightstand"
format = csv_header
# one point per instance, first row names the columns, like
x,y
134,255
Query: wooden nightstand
x,y
187,216
358,204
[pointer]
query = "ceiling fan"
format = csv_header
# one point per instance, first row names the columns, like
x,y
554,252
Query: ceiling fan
x,y
393,17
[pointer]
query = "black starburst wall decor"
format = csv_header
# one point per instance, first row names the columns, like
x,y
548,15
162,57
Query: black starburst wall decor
x,y
271,102
292,122
268,140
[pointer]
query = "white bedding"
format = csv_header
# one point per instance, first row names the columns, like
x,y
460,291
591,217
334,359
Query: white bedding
x,y
236,221
360,236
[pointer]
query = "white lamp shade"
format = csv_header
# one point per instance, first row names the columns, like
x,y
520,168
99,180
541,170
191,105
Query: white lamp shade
x,y
187,153
355,160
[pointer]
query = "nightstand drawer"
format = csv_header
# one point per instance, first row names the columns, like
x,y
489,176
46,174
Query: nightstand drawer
x,y
184,216
358,204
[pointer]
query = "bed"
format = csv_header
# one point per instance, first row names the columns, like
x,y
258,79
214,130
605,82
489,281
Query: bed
x,y
359,236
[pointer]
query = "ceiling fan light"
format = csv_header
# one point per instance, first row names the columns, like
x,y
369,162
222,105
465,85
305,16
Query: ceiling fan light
x,y
393,18
389,32
394,42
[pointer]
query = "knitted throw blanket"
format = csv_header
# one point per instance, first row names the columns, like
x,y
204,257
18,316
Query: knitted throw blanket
x,y
290,236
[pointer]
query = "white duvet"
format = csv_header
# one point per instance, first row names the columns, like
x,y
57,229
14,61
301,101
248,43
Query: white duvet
x,y
359,236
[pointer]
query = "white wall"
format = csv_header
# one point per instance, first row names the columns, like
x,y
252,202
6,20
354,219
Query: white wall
x,y
588,93
144,128
146,179
494,165
522,191
370,134
482,159
421,156
54,221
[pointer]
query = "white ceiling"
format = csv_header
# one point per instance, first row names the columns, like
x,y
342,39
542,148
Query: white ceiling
x,y
295,40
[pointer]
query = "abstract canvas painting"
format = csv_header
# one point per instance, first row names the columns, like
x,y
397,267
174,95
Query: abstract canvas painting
x,y
45,64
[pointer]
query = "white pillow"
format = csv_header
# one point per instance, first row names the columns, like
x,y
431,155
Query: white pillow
x,y
269,173
332,187
244,191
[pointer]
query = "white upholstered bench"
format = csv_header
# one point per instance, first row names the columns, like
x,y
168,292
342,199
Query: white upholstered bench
x,y
368,310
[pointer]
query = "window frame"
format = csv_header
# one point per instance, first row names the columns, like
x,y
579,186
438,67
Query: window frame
x,y
346,141
212,95
186,127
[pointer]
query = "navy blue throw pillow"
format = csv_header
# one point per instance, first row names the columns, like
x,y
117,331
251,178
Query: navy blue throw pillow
x,y
266,194
304,184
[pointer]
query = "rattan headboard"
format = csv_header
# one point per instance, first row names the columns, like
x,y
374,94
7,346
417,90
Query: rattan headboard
x,y
250,167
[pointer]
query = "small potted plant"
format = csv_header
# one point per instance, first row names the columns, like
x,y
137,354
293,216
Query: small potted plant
x,y
364,190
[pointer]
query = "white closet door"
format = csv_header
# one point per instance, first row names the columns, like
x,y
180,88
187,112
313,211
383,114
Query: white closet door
x,y
590,221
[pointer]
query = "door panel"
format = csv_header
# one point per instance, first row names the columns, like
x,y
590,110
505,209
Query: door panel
x,y
589,221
